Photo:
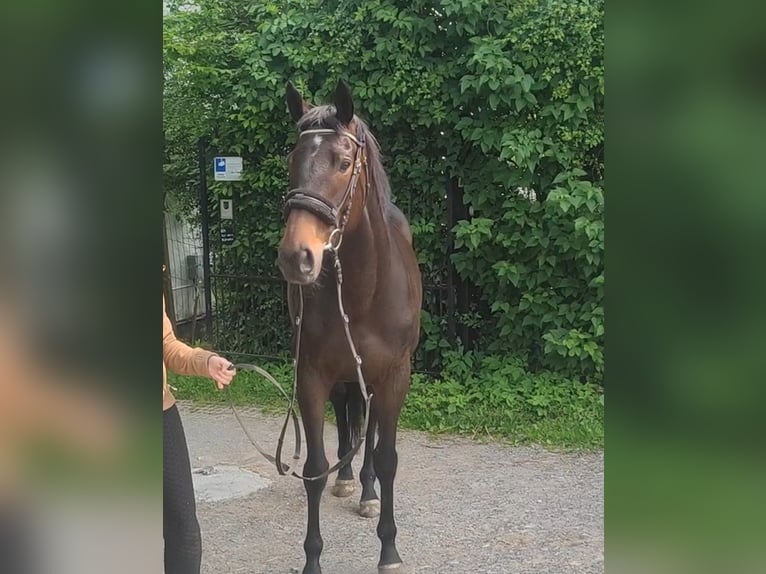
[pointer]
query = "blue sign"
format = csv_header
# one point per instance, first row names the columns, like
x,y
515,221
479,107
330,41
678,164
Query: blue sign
x,y
227,168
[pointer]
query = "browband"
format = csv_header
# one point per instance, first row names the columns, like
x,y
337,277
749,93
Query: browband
x,y
328,131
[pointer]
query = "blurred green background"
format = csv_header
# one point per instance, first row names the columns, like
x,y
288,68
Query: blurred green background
x,y
685,230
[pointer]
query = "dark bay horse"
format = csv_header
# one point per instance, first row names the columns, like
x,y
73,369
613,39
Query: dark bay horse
x,y
341,195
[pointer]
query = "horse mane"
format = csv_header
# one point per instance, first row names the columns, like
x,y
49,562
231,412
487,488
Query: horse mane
x,y
324,117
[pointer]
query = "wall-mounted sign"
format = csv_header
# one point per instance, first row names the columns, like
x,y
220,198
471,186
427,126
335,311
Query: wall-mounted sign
x,y
228,168
227,232
227,209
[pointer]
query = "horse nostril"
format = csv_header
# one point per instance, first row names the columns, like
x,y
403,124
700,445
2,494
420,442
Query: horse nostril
x,y
306,261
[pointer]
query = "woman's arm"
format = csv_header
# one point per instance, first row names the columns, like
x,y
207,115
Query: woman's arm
x,y
180,357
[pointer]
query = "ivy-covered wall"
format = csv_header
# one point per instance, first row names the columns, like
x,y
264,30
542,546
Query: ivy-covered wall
x,y
508,97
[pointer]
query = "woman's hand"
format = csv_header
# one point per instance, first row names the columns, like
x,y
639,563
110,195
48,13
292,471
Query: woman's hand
x,y
219,370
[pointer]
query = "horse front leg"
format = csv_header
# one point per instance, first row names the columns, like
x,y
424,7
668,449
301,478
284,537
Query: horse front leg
x,y
312,398
389,401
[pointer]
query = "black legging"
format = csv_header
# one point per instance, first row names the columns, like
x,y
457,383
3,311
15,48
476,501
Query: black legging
x,y
18,540
183,543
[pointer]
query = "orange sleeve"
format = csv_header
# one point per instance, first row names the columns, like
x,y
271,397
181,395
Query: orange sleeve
x,y
177,355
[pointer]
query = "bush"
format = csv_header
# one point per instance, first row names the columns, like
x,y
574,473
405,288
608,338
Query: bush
x,y
506,97
490,397
499,397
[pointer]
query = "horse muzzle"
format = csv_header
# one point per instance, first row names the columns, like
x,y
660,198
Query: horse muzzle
x,y
300,264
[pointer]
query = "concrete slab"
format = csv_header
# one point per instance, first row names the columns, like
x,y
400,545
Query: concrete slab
x,y
224,482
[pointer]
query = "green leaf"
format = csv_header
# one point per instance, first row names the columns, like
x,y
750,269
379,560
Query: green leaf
x,y
526,82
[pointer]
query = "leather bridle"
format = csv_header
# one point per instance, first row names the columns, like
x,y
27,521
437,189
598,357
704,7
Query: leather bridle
x,y
333,215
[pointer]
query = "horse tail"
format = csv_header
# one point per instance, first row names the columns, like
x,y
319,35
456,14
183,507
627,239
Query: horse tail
x,y
354,411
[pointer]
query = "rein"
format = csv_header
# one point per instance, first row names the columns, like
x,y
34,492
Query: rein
x,y
284,469
337,217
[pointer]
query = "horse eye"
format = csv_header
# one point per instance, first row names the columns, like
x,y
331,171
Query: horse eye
x,y
345,165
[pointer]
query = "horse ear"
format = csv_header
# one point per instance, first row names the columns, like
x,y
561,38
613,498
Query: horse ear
x,y
344,103
295,102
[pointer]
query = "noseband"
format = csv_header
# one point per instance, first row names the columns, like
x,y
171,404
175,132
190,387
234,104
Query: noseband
x,y
334,215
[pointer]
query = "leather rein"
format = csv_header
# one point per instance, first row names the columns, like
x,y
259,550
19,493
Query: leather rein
x,y
336,216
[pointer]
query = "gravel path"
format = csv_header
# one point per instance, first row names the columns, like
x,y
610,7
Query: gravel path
x,y
461,506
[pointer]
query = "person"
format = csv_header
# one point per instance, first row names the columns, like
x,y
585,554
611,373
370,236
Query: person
x,y
183,541
43,401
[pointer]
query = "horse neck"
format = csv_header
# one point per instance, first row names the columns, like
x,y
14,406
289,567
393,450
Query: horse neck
x,y
364,254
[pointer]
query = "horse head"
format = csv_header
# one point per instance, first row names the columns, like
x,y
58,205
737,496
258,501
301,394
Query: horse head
x,y
327,178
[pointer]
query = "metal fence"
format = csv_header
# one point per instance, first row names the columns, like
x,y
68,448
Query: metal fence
x,y
247,314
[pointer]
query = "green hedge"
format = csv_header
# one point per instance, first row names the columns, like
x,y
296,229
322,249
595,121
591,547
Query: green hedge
x,y
506,96
487,398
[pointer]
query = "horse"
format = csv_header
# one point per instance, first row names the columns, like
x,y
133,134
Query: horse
x,y
340,216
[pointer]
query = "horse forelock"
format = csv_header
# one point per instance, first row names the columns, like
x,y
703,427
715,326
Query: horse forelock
x,y
319,117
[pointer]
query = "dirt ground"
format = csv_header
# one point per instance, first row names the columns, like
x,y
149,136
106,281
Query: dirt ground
x,y
461,506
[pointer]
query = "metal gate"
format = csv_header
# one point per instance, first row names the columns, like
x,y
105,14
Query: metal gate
x,y
247,313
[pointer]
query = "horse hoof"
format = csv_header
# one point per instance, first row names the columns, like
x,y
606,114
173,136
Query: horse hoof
x,y
396,566
371,509
343,488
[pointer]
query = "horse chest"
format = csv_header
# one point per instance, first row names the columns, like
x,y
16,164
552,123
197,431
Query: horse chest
x,y
324,338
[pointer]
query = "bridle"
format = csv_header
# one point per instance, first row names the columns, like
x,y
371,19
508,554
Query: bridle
x,y
336,216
